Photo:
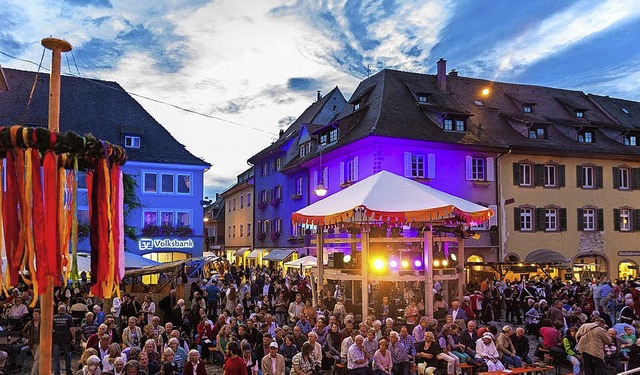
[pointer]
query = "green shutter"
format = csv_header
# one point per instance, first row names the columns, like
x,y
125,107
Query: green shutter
x,y
538,175
616,177
540,216
563,219
561,176
599,178
516,218
616,219
516,174
580,220
600,219
635,178
635,221
579,176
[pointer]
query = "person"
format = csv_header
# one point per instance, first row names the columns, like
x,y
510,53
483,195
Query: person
x,y
179,354
91,368
153,356
133,368
273,363
234,364
333,341
295,308
634,355
317,350
253,367
427,354
399,356
194,366
446,344
303,362
118,366
592,337
569,343
148,309
459,315
505,348
62,340
386,310
487,352
612,351
630,337
521,344
131,335
412,314
108,361
357,358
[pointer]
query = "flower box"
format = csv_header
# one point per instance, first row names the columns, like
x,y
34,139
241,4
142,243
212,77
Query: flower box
x,y
296,197
275,202
261,236
274,236
261,205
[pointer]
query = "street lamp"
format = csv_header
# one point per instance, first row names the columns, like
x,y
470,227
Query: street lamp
x,y
320,190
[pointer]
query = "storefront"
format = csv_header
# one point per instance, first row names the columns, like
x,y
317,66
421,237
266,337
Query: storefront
x,y
590,266
628,268
254,258
236,255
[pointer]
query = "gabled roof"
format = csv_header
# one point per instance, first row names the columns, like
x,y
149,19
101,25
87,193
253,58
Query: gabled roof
x,y
102,108
216,209
624,112
309,116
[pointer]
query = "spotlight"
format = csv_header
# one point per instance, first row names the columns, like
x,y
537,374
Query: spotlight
x,y
417,263
378,264
445,263
485,91
347,258
404,264
393,263
436,263
453,257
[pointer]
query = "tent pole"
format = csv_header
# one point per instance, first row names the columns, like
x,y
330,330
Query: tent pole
x,y
46,300
320,264
461,274
365,273
428,263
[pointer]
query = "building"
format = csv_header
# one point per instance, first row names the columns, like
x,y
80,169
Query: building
x,y
282,186
214,217
169,178
238,218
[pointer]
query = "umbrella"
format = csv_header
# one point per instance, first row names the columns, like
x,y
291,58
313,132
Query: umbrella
x,y
308,261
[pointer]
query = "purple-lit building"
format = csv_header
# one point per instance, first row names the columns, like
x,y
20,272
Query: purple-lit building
x,y
409,124
281,185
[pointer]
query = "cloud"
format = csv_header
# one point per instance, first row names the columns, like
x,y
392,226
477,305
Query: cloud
x,y
86,3
302,84
286,121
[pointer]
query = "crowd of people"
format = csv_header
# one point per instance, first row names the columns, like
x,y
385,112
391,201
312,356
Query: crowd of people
x,y
257,321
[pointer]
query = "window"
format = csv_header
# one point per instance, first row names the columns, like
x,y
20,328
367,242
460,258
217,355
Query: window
x,y
264,226
333,135
229,232
305,149
526,219
537,132
295,229
586,136
588,177
183,219
625,220
241,230
278,192
241,201
248,199
167,183
150,217
150,182
323,139
263,196
551,220
356,106
184,184
278,164
277,225
550,175
423,98
234,204
460,125
525,175
579,113
352,170
447,124
589,219
477,168
248,229
131,141
630,140
417,166
234,231
624,179
166,218
527,108
265,169
299,186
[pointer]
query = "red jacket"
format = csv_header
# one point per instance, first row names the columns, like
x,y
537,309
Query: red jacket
x,y
200,368
205,331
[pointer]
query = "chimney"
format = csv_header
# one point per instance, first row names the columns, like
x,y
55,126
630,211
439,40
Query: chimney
x,y
453,73
441,76
319,96
281,133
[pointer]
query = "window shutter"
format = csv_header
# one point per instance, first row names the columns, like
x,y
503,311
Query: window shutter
x,y
516,218
493,220
355,168
407,165
561,176
491,175
516,173
599,182
616,177
635,178
579,176
540,216
563,219
616,219
636,220
580,220
468,168
538,175
600,219
315,180
325,177
431,166
341,173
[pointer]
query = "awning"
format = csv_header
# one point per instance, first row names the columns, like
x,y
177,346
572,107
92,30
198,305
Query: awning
x,y
546,256
308,261
278,255
240,252
255,253
168,266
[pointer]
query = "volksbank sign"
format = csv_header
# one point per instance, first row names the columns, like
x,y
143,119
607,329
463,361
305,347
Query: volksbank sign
x,y
146,244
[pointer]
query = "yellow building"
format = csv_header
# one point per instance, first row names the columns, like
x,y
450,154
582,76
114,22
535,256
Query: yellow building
x,y
239,205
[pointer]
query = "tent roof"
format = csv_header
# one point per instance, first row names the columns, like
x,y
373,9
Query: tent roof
x,y
308,261
278,255
167,267
386,196
546,256
241,251
254,253
131,261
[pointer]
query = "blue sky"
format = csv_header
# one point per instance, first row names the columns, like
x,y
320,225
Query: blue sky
x,y
258,63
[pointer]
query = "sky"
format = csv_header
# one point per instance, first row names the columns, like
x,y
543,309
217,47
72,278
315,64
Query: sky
x,y
248,68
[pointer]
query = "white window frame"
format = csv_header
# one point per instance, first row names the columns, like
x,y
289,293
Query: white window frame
x,y
527,108
551,219
248,229
417,166
299,186
265,169
423,98
188,212
248,200
351,170
631,140
333,135
447,124
303,150
526,219
173,183
144,214
356,106
588,177
278,164
177,178
625,220
173,216
586,136
588,219
144,183
624,179
131,141
461,125
526,174
277,225
323,139
550,175
478,169
579,114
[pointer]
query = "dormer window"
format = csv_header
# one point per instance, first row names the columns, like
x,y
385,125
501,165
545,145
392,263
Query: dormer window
x,y
631,140
579,113
131,141
323,139
454,124
333,135
422,98
537,132
356,106
527,108
305,149
586,136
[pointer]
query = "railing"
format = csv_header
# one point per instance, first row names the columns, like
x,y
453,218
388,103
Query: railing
x,y
629,372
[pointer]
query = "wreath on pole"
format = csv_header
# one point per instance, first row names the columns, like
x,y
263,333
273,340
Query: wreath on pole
x,y
39,208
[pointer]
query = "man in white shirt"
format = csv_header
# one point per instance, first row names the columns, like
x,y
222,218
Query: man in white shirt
x,y
357,361
295,308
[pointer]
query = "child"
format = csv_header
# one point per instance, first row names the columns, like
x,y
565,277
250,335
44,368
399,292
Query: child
x,y
630,337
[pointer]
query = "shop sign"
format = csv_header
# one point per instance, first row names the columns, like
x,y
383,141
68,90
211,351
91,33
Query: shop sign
x,y
146,244
628,253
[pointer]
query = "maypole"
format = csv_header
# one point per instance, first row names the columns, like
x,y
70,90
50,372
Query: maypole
x,y
46,303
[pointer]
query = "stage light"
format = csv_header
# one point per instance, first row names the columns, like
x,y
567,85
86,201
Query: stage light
x,y
436,263
393,263
347,258
486,91
445,263
417,263
404,264
453,257
378,264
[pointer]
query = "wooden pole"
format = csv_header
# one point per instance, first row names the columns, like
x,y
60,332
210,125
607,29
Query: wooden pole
x,y
365,272
320,265
428,263
46,299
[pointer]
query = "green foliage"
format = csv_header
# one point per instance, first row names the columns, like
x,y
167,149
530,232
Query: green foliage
x,y
131,203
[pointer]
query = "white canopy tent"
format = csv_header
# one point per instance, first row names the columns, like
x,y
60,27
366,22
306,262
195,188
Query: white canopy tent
x,y
305,262
131,261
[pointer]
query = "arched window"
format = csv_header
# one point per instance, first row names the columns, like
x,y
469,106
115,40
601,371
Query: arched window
x,y
627,269
475,259
590,267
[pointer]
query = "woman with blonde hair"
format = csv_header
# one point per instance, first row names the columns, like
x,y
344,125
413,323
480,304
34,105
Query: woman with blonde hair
x,y
85,355
224,337
108,361
154,356
92,367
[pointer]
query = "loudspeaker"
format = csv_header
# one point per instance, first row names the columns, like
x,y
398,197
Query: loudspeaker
x,y
338,260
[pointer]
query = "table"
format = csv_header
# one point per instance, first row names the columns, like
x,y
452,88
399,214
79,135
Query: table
x,y
519,370
6,341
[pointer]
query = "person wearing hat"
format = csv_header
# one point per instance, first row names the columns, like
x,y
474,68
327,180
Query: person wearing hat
x,y
486,351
